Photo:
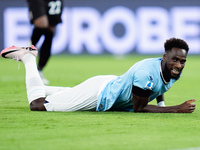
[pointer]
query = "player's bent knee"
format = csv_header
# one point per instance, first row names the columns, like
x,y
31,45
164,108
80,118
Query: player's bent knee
x,y
38,105
41,22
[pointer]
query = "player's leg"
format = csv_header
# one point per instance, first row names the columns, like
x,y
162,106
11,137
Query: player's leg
x,y
79,98
34,85
45,50
40,27
54,10
38,16
54,89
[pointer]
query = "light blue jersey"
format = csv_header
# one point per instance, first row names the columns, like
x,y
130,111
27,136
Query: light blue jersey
x,y
146,74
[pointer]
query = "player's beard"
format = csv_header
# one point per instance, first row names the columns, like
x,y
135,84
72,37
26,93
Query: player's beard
x,y
168,72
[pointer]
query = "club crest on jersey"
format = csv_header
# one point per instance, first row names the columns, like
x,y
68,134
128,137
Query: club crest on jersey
x,y
149,85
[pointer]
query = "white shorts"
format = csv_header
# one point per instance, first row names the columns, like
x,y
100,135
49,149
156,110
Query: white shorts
x,y
81,97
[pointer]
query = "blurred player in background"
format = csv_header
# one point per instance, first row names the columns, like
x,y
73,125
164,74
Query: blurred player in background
x,y
45,15
145,81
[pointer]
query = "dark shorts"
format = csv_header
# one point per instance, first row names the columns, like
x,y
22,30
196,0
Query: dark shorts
x,y
52,8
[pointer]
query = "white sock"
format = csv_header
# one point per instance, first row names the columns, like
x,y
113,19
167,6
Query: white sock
x,y
161,104
34,85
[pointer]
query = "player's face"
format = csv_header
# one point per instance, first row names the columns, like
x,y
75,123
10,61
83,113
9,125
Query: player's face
x,y
175,62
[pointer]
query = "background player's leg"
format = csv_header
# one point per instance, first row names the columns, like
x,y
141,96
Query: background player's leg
x,y
45,50
40,25
36,34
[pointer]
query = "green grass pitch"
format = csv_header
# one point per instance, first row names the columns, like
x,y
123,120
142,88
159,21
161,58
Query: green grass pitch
x,y
21,129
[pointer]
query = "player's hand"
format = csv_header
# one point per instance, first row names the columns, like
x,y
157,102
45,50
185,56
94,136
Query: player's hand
x,y
187,106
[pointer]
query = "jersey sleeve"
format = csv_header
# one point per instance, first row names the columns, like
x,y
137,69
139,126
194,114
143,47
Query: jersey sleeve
x,y
143,80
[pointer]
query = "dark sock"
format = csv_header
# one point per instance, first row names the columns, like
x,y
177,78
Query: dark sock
x,y
37,33
45,51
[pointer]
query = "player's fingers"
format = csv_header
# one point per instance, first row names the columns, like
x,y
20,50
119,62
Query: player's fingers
x,y
191,101
192,110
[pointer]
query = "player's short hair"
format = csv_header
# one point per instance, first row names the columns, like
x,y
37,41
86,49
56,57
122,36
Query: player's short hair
x,y
177,43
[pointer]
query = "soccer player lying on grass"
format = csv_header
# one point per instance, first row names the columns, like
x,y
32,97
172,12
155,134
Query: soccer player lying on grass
x,y
146,80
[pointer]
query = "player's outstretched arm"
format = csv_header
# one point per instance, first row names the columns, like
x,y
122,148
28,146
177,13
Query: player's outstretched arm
x,y
140,104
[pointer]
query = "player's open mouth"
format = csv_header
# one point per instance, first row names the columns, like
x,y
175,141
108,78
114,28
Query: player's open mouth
x,y
175,71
